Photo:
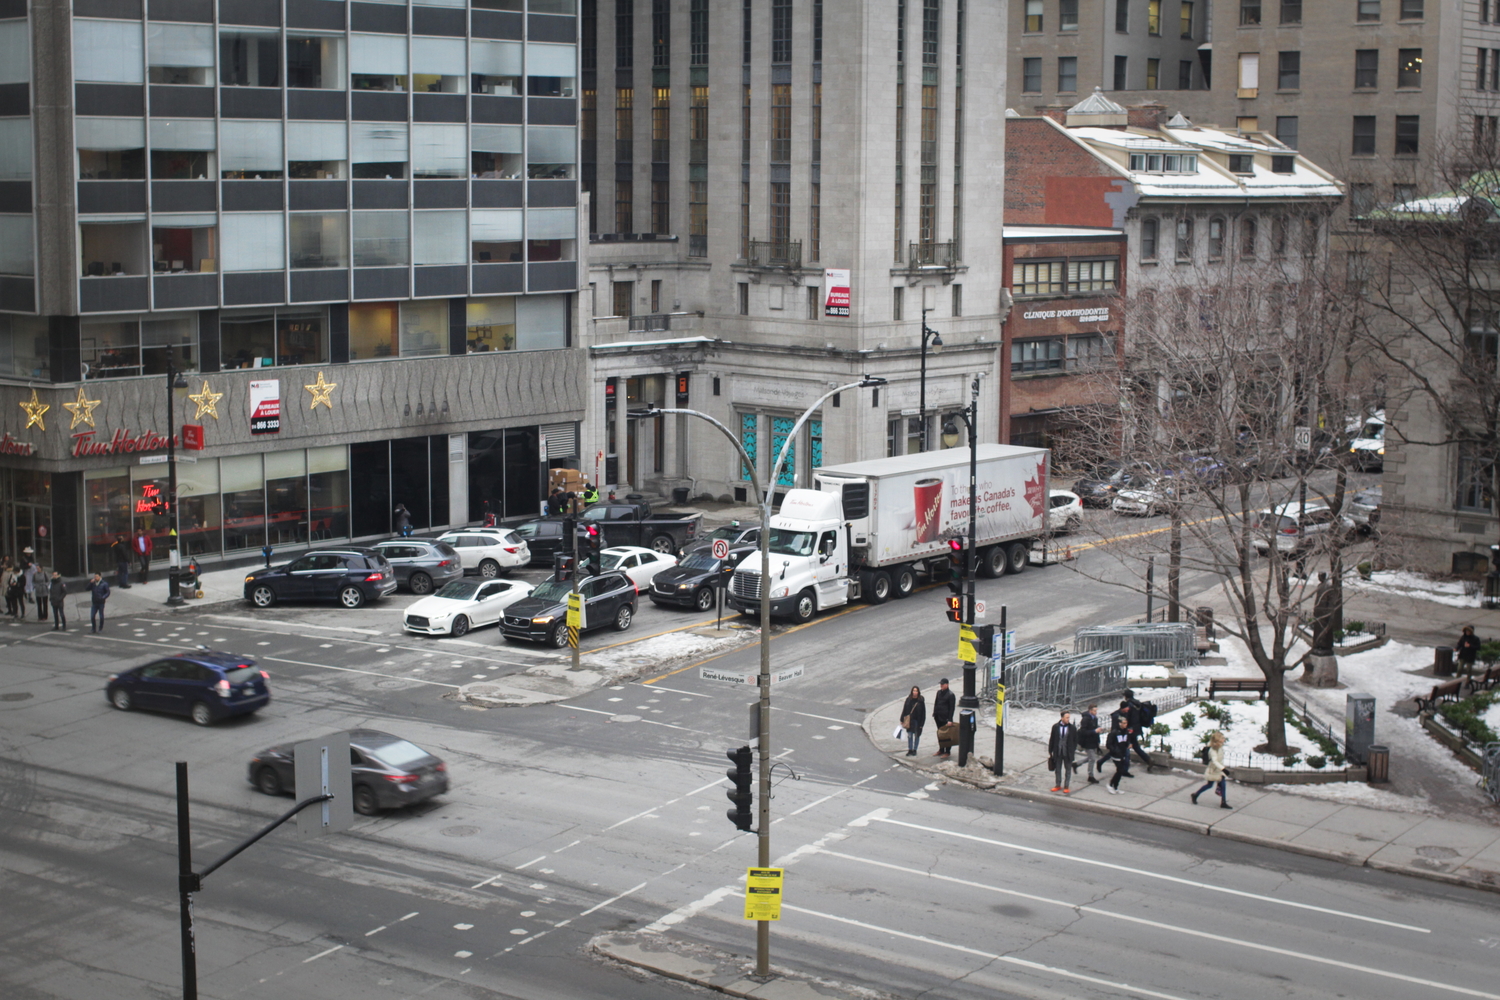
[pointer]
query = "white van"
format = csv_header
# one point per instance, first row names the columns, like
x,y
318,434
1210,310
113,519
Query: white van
x,y
1367,449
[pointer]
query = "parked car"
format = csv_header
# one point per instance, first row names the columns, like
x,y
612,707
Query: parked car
x,y
1362,510
1194,472
421,565
608,599
691,583
462,605
1097,488
1293,528
351,576
734,533
488,551
1065,512
544,538
206,686
1145,498
637,524
386,772
640,564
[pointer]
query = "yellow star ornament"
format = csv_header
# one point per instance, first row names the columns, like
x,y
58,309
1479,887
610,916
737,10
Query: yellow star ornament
x,y
208,402
82,410
322,392
35,410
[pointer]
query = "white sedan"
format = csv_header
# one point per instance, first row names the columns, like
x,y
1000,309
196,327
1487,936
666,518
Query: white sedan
x,y
464,604
1065,513
488,550
640,564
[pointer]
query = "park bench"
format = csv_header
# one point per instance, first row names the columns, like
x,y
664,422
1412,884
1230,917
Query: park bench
x,y
1235,685
1447,691
1484,681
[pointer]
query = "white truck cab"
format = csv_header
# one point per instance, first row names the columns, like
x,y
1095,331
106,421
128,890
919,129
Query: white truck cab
x,y
809,560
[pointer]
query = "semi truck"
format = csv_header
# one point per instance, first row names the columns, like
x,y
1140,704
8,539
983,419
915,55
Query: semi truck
x,y
870,530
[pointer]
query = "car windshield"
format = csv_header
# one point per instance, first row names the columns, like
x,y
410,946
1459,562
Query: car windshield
x,y
552,590
729,532
1373,430
792,543
700,560
398,754
240,675
459,590
612,560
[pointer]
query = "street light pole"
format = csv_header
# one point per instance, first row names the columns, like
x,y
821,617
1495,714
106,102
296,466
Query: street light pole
x,y
174,569
937,348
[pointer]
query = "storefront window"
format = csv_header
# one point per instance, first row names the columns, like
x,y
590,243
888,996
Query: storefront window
x,y
372,330
198,508
108,496
286,497
492,324
244,496
328,492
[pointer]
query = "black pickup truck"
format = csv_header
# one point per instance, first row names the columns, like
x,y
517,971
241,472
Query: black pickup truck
x,y
635,524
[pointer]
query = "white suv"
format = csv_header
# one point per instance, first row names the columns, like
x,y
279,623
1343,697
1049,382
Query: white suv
x,y
490,551
1281,524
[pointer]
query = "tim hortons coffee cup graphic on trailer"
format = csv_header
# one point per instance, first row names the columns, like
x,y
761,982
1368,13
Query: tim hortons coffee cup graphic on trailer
x,y
928,495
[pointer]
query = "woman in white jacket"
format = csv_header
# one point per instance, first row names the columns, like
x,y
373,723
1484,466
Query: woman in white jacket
x,y
1215,773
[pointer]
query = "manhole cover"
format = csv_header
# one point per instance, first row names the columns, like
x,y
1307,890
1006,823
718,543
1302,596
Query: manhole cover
x,y
15,696
1441,853
624,718
459,831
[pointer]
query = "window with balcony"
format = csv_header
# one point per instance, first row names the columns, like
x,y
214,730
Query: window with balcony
x,y
495,67
249,57
180,54
317,150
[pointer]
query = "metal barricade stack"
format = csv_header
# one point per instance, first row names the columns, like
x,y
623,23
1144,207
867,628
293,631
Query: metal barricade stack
x,y
1049,677
1152,642
1491,778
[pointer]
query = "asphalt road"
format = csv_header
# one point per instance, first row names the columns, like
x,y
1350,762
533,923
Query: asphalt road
x,y
605,813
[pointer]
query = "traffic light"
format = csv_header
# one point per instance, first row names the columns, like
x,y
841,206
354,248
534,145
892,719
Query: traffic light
x,y
984,640
955,609
593,557
957,562
562,568
741,795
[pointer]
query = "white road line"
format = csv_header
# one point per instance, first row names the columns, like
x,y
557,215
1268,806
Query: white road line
x,y
629,819
375,931
320,954
825,718
531,862
1115,914
818,802
612,899
649,722
658,687
580,708
1156,875
576,843
413,913
492,878
355,670
264,622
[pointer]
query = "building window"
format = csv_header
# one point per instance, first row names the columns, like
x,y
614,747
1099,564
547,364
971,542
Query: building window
x,y
1185,74
624,34
1037,278
1033,15
381,239
1067,15
1067,74
1367,69
1476,478
1364,135
1249,74
1171,163
661,124
1153,73
1409,68
1089,351
897,303
1411,10
1122,64
698,33
744,298
624,207
1241,163
1484,135
622,298
490,324
1278,236
1481,78
249,58
781,123
1031,75
780,216
1310,237
315,62
661,208
1153,17
1247,237
1249,11
1184,239
958,300
1037,355
1149,228
318,239
1092,275
1403,193
123,348
1185,19
1286,130
1216,238
253,339
661,33
1361,199
1289,71
1408,134
1367,10
1122,15
1283,164
781,31
814,302
1291,11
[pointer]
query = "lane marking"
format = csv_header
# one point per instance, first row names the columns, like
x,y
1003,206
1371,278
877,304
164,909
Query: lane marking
x,y
530,863
356,670
818,802
375,931
320,954
413,913
727,652
612,899
825,718
695,694
492,878
566,707
1156,875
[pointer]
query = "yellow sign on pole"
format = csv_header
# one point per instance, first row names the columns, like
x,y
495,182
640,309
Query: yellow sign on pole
x,y
1000,704
763,893
966,643
575,611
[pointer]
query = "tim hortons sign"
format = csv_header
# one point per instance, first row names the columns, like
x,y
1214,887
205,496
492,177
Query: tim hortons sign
x,y
86,445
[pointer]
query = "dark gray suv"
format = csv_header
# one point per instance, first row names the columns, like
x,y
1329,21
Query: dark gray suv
x,y
608,599
421,565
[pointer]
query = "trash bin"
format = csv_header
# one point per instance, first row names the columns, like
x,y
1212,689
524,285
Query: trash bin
x,y
1205,617
680,495
1379,765
1442,661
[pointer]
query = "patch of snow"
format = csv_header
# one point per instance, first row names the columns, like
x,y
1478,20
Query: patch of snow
x,y
1491,717
660,650
1138,671
1454,593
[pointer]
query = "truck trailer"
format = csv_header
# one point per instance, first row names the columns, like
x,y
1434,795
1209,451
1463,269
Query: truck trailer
x,y
870,529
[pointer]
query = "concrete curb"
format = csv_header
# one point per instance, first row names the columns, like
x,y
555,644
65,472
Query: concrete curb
x,y
719,972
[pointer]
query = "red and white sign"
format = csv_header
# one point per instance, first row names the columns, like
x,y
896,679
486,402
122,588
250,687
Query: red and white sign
x,y
836,291
192,437
721,548
265,406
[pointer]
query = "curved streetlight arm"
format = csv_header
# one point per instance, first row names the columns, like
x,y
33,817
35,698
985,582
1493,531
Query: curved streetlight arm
x,y
791,437
744,455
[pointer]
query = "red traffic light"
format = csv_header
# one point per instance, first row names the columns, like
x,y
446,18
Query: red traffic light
x,y
956,544
592,530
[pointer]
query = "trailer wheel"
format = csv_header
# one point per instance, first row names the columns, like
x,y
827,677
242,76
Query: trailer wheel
x,y
878,590
1018,557
903,581
992,559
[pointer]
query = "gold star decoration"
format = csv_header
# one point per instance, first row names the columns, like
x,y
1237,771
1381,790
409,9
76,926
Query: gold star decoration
x,y
208,402
322,392
82,409
35,409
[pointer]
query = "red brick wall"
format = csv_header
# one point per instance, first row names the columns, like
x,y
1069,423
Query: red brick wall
x,y
1050,180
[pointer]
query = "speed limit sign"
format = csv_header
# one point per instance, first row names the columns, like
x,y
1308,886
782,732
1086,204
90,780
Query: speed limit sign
x,y
721,548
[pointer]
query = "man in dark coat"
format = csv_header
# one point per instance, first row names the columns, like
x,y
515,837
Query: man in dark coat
x,y
1133,727
1467,649
98,594
1062,746
943,707
1118,745
121,551
56,591
1088,741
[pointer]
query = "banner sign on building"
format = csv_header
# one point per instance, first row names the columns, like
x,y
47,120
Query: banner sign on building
x,y
836,291
265,406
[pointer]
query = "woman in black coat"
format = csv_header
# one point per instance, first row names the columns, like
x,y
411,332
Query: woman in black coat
x,y
913,718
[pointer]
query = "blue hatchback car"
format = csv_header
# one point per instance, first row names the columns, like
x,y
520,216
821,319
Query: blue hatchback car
x,y
206,686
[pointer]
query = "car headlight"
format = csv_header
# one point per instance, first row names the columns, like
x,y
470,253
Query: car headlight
x,y
684,586
1380,451
543,620
780,592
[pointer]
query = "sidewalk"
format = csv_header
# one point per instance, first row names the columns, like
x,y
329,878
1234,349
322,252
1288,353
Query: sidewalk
x,y
1463,853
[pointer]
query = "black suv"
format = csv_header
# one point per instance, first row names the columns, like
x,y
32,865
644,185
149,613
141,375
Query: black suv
x,y
351,576
691,583
608,599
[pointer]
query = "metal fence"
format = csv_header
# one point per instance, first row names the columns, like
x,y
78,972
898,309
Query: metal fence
x,y
1490,780
1153,642
1048,677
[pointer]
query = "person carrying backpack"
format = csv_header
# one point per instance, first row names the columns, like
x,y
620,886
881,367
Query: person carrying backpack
x,y
1136,724
1118,745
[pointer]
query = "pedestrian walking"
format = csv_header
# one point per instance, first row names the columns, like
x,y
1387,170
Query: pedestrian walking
x,y
913,718
1215,774
403,521
57,589
41,589
1118,745
10,585
943,707
1467,649
28,586
98,594
1134,724
121,551
141,547
1088,741
1062,747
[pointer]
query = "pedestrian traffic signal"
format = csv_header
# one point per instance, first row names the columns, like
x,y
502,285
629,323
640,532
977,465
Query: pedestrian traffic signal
x,y
984,640
593,557
562,568
955,609
741,795
957,563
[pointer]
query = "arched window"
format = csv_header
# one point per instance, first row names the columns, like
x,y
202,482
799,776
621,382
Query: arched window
x,y
1247,237
1216,238
1184,239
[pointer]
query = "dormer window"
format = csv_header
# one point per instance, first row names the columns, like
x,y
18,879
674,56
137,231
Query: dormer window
x,y
1283,164
1241,163
1165,163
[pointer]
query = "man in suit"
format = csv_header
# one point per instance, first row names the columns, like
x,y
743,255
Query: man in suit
x,y
1062,747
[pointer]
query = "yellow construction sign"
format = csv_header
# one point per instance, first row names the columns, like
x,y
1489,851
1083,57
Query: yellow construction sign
x,y
966,643
575,617
1000,704
763,893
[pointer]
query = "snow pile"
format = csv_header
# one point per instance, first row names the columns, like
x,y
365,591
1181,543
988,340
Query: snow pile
x,y
662,650
1491,717
1454,593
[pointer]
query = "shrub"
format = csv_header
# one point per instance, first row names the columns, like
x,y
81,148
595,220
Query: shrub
x,y
1467,717
1364,569
1291,760
1354,627
1189,720
1160,729
1489,652
1317,761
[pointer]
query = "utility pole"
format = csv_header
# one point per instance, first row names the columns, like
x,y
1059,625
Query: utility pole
x,y
1000,638
968,704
